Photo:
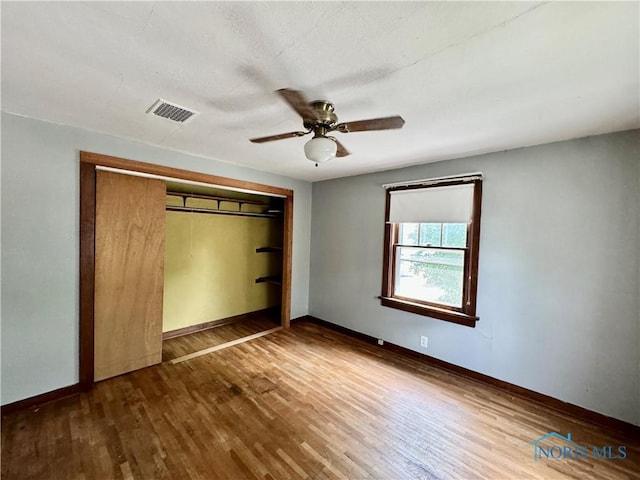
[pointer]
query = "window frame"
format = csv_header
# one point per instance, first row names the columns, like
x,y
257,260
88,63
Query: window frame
x,y
465,315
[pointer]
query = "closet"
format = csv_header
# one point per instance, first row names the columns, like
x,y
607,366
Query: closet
x,y
168,252
223,259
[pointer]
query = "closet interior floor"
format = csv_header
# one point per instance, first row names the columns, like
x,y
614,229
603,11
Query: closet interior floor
x,y
194,342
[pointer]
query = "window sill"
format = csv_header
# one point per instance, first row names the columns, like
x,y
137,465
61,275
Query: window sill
x,y
433,312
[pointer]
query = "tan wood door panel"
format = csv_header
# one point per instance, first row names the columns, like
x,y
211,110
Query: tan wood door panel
x,y
129,273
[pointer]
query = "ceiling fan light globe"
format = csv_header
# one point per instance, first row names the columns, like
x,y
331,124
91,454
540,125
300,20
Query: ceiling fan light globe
x,y
320,149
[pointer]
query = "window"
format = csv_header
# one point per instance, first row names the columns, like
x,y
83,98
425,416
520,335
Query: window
x,y
432,236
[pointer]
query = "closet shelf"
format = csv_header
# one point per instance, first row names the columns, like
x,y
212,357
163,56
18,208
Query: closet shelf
x,y
240,201
175,208
275,279
268,211
268,249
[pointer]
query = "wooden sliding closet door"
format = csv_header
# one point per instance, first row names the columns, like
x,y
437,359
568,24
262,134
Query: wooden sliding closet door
x,y
129,273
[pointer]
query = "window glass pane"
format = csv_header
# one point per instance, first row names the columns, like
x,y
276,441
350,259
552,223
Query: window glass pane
x,y
430,234
409,233
430,275
454,235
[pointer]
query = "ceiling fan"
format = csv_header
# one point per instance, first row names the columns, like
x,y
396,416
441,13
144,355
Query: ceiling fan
x,y
318,117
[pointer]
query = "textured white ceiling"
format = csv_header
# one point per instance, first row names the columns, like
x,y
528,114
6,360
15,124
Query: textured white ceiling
x,y
467,77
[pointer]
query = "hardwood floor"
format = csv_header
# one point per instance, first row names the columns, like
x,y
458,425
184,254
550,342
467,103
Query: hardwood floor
x,y
193,342
301,403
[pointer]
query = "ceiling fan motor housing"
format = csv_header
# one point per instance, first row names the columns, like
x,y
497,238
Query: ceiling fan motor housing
x,y
324,116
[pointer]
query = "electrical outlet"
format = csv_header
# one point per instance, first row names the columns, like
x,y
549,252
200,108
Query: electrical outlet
x,y
380,341
424,341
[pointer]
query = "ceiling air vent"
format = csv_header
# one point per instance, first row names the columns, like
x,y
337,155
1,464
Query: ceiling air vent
x,y
174,112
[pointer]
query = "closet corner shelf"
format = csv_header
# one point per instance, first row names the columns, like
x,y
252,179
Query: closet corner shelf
x,y
275,279
268,249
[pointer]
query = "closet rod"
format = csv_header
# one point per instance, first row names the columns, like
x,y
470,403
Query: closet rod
x,y
220,199
176,208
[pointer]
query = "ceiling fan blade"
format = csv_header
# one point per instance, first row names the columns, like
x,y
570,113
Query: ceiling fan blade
x,y
384,123
342,152
298,102
271,138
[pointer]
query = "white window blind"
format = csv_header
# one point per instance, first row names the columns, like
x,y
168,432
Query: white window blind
x,y
449,204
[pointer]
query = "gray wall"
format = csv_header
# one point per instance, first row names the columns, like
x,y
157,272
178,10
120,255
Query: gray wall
x,y
558,281
40,244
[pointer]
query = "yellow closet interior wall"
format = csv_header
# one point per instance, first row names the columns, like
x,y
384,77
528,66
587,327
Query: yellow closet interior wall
x,y
211,265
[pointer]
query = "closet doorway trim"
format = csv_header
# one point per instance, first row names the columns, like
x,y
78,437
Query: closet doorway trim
x,y
89,164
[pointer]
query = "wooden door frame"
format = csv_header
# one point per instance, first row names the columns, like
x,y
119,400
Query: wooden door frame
x,y
88,165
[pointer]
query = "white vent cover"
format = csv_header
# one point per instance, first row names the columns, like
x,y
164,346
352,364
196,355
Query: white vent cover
x,y
172,111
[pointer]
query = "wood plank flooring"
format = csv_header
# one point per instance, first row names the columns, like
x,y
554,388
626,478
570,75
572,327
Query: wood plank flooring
x,y
194,342
300,403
